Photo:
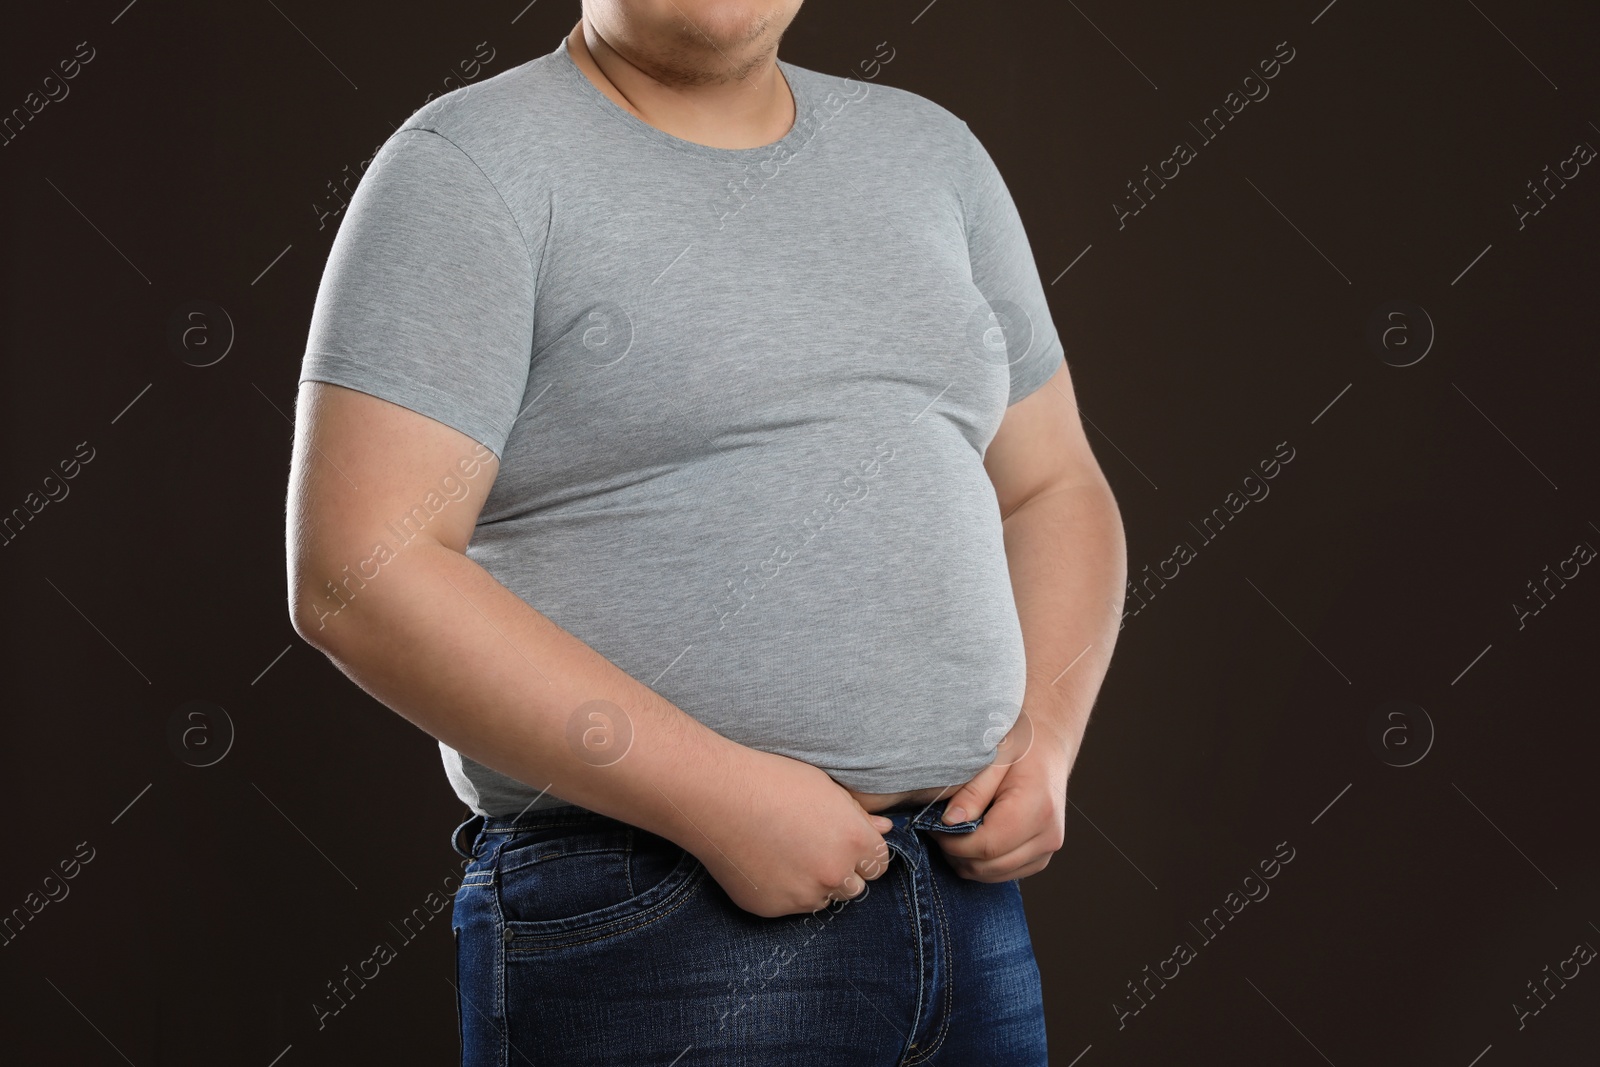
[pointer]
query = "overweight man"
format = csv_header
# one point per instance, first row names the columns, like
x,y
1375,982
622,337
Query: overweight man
x,y
685,443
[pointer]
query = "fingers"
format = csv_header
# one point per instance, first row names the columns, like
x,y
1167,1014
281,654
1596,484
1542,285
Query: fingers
x,y
851,888
867,870
1012,836
1004,830
873,866
996,863
1000,874
973,798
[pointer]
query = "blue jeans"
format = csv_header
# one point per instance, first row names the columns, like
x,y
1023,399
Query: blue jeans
x,y
582,940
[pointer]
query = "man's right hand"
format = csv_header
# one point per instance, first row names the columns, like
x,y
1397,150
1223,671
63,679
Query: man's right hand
x,y
791,840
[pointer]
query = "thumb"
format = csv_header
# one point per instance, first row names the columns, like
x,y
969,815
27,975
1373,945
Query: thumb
x,y
972,799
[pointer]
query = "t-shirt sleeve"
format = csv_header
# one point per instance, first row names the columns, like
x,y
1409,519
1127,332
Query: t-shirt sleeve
x,y
426,299
1004,272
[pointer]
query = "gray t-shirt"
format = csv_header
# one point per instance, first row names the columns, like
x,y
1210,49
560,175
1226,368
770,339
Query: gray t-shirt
x,y
740,398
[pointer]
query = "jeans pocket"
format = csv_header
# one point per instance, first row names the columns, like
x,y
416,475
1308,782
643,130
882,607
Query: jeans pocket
x,y
594,880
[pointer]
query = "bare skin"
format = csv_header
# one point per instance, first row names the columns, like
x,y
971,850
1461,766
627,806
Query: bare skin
x,y
705,72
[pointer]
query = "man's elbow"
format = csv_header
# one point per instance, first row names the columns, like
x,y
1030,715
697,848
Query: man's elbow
x,y
341,597
310,623
318,604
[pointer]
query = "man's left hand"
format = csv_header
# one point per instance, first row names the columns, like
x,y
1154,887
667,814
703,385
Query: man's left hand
x,y
1023,800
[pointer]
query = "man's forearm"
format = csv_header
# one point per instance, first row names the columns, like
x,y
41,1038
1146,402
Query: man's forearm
x,y
1068,561
438,640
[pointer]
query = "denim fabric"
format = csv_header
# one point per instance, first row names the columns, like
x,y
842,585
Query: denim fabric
x,y
582,940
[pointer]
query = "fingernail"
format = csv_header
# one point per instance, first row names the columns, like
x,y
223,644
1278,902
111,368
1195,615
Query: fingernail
x,y
955,815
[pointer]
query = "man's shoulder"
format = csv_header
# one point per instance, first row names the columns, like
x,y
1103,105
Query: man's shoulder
x,y
499,112
891,112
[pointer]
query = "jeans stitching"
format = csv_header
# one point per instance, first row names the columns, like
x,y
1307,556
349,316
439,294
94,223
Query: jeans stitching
x,y
502,1020
909,881
948,959
656,913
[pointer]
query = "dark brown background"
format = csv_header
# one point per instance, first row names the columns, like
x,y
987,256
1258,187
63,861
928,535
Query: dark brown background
x,y
1223,319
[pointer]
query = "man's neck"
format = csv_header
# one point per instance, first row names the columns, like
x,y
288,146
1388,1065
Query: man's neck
x,y
731,102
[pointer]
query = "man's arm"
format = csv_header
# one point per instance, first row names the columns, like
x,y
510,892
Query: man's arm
x,y
433,636
1066,552
1068,562
430,634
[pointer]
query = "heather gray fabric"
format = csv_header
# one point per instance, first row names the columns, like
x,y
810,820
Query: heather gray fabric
x,y
741,400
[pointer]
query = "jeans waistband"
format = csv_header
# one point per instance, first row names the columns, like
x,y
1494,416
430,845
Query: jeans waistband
x,y
468,831
929,817
916,816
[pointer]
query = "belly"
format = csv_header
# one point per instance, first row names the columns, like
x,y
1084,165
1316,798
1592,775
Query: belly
x,y
876,802
795,605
